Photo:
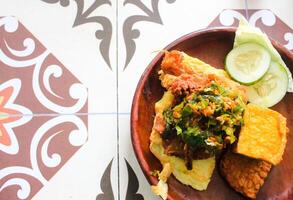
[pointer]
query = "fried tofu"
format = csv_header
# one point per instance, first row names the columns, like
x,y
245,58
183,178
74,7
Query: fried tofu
x,y
264,134
202,170
245,175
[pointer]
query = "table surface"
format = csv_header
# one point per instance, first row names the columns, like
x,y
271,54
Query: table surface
x,y
68,72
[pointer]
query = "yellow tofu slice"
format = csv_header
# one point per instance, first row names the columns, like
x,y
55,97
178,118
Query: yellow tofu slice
x,y
202,170
264,134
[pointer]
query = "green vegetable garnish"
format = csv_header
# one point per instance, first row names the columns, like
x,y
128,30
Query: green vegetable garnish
x,y
206,118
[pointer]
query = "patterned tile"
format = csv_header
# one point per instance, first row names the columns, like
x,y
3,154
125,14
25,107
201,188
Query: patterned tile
x,y
37,83
151,36
133,184
100,49
29,145
36,74
33,149
91,173
145,27
76,39
85,15
265,19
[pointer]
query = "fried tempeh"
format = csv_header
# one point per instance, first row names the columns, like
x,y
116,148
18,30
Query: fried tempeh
x,y
245,175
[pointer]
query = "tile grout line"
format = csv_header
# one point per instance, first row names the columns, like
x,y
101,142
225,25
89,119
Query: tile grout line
x,y
246,9
63,114
117,103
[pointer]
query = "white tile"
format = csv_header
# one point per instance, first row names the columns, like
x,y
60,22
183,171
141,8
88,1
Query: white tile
x,y
76,47
178,18
282,8
126,152
80,177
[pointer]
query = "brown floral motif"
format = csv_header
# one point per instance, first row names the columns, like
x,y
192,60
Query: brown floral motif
x,y
105,184
85,16
130,34
34,81
22,56
133,184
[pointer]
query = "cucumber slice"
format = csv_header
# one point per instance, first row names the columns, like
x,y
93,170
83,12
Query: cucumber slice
x,y
271,88
248,63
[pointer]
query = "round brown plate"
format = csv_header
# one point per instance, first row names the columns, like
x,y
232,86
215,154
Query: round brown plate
x,y
211,46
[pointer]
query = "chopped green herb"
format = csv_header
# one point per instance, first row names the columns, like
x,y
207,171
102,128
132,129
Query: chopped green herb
x,y
179,130
206,118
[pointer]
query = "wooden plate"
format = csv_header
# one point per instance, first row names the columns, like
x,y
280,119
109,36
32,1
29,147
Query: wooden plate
x,y
211,46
